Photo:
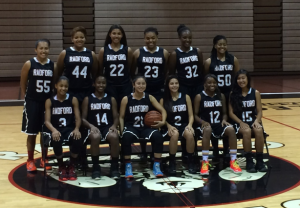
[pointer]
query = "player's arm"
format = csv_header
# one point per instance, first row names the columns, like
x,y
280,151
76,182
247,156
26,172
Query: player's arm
x,y
122,113
257,122
231,113
200,61
135,55
190,111
224,110
24,76
163,112
206,66
76,134
55,133
197,112
130,57
84,113
171,129
236,65
95,68
59,65
166,55
115,115
172,63
100,60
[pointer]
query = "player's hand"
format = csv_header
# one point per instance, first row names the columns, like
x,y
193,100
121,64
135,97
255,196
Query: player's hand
x,y
244,126
76,134
94,130
205,124
225,123
56,135
256,125
190,129
172,130
158,124
113,129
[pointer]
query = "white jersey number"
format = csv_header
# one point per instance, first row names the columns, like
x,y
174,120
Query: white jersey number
x,y
101,120
177,121
224,80
155,71
76,72
214,117
247,116
139,121
43,86
120,72
62,122
191,71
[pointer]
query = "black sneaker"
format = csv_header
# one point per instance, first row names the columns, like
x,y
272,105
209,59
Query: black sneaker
x,y
114,171
191,168
250,166
260,165
172,168
96,174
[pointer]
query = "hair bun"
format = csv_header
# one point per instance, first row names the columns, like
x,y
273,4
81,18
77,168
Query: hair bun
x,y
180,27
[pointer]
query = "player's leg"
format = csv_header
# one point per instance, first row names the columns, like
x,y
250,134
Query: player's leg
x,y
75,148
246,133
30,149
190,147
58,151
157,142
113,140
206,135
95,141
173,146
259,146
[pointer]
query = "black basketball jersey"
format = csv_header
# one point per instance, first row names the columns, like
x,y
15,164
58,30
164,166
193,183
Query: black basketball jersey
x,y
39,84
136,111
100,111
179,115
152,65
187,67
249,107
115,64
62,113
224,72
211,108
78,68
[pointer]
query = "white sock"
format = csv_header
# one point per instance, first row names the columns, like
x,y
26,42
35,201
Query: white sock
x,y
205,154
233,154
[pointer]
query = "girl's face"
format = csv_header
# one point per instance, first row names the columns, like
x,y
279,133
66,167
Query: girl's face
x,y
42,50
150,40
100,84
116,36
221,46
78,39
139,85
186,38
62,87
174,85
210,84
242,80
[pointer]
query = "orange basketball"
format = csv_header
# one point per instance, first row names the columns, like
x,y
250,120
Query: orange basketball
x,y
152,116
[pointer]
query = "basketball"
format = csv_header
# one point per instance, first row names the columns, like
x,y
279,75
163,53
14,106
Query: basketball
x,y
152,116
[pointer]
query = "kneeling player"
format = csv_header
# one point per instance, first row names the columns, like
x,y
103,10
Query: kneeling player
x,y
210,113
180,120
62,118
100,116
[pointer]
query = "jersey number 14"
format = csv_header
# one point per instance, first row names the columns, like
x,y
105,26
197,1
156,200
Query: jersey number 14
x,y
102,120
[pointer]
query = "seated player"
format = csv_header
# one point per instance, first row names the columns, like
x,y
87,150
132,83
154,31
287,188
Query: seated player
x,y
62,119
132,112
100,116
210,113
246,111
180,120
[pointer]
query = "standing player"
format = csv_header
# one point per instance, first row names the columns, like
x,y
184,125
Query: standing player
x,y
78,64
211,113
36,84
62,119
100,116
132,112
115,59
246,111
188,62
151,61
180,121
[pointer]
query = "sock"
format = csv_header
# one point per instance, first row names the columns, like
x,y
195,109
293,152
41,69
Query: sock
x,y
172,157
205,154
157,159
73,160
190,157
95,160
30,155
60,162
114,160
233,154
127,160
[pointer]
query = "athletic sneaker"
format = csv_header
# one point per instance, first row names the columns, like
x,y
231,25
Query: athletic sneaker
x,y
235,167
30,166
204,168
128,170
172,168
71,172
96,173
114,171
192,168
156,169
42,164
62,173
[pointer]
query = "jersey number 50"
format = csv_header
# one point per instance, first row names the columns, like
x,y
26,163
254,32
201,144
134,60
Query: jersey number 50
x,y
224,80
